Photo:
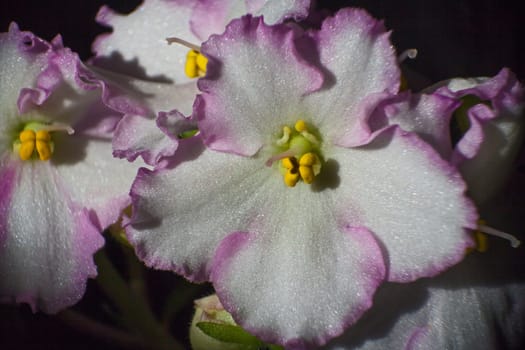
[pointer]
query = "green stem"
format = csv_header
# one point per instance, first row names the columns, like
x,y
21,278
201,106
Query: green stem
x,y
134,309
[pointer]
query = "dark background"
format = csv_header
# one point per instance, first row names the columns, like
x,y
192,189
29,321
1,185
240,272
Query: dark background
x,y
454,38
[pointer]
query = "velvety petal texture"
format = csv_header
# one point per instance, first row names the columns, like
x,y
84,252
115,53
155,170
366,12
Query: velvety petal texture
x,y
53,210
212,16
360,69
297,264
149,128
174,197
496,129
427,115
22,57
380,189
478,304
137,46
263,80
287,285
47,256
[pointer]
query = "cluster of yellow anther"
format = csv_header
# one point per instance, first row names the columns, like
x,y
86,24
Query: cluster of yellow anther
x,y
31,140
306,169
299,161
195,64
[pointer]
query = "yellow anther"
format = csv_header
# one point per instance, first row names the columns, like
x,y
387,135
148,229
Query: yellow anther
x,y
27,135
289,163
202,62
29,140
308,159
44,150
195,64
300,125
191,64
311,160
44,147
27,145
43,135
291,177
307,174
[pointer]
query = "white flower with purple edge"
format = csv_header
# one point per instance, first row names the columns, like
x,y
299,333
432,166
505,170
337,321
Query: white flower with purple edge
x,y
477,304
55,155
490,111
137,47
296,266
140,37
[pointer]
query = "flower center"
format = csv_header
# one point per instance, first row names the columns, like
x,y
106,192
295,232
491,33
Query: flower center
x,y
298,154
35,140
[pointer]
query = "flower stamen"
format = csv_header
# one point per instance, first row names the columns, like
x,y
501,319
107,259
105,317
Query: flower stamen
x,y
195,66
37,137
196,62
285,138
301,128
298,156
514,242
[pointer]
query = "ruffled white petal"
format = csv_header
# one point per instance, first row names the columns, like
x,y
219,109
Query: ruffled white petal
x,y
411,199
360,66
138,44
301,277
475,305
488,171
22,58
496,131
47,254
181,214
92,176
277,11
426,115
255,89
152,140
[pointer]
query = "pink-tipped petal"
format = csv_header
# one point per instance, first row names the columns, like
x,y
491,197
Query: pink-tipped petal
x,y
92,176
47,255
303,283
496,131
137,46
278,11
411,199
253,85
361,67
426,115
211,16
181,213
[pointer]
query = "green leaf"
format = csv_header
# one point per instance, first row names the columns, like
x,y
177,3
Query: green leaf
x,y
229,334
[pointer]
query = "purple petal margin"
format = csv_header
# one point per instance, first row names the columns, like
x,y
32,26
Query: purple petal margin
x,y
375,266
7,183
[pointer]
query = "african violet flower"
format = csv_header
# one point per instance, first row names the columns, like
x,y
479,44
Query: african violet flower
x,y
137,45
285,199
55,162
477,304
493,124
139,39
489,125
